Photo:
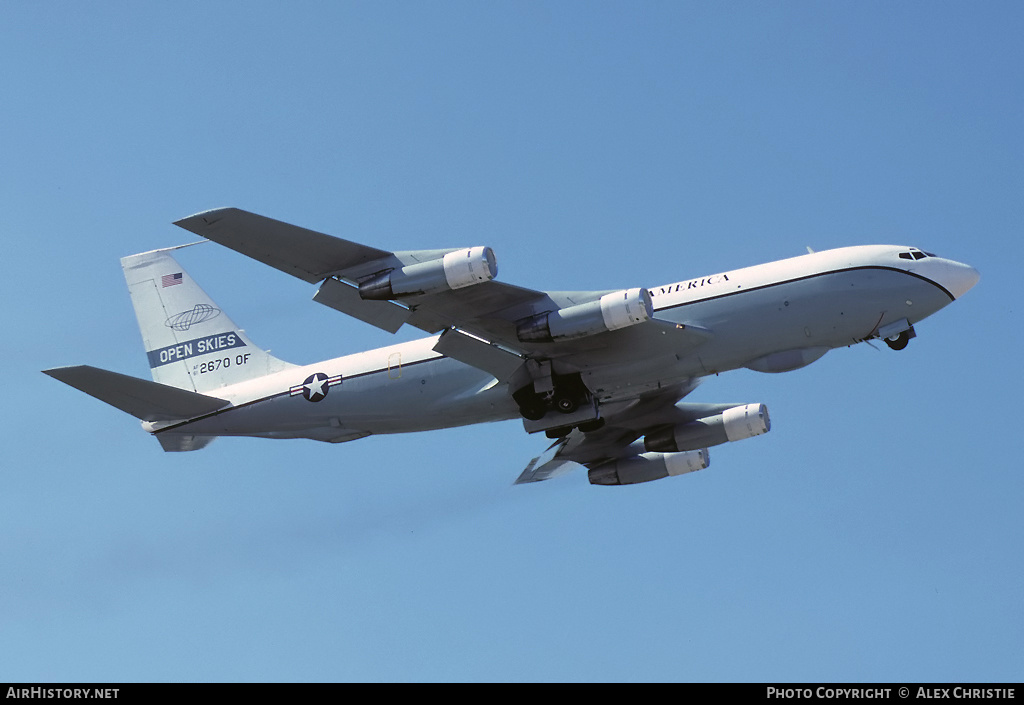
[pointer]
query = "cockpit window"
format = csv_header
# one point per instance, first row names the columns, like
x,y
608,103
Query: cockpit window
x,y
915,254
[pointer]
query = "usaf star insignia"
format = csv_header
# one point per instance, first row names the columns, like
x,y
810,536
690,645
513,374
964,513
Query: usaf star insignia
x,y
315,387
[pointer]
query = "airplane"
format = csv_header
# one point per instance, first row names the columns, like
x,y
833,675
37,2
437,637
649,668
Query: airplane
x,y
601,373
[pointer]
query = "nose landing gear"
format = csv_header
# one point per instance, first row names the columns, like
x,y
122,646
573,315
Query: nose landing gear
x,y
896,335
898,341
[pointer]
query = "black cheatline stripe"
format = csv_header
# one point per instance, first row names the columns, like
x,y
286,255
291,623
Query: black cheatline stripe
x,y
287,392
811,276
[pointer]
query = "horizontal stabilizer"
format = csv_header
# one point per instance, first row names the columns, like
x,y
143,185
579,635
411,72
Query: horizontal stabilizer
x,y
145,400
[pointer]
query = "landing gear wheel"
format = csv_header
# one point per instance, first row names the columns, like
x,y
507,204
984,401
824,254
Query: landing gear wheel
x,y
898,341
531,405
565,403
533,413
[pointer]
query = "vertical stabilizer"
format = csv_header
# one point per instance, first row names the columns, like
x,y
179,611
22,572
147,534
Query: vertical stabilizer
x,y
190,342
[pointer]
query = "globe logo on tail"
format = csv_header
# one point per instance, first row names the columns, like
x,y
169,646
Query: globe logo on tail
x,y
186,319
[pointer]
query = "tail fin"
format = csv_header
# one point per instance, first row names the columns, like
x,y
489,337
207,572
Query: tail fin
x,y
190,342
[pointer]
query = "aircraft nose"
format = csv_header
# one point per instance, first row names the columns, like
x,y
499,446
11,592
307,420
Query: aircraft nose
x,y
958,278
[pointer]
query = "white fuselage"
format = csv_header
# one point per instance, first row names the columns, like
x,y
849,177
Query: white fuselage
x,y
770,317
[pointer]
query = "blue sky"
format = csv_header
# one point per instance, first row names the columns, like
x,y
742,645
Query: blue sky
x,y
874,535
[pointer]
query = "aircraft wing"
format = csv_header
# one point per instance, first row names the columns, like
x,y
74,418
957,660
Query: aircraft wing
x,y
303,253
479,321
618,438
341,264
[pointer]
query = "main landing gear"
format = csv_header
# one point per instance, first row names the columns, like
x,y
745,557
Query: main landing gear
x,y
568,398
567,395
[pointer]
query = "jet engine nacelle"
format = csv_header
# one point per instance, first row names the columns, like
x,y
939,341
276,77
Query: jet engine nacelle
x,y
648,466
453,271
733,424
612,311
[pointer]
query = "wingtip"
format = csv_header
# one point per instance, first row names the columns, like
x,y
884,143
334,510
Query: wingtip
x,y
58,373
203,219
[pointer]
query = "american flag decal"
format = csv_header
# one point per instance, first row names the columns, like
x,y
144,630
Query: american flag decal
x,y
170,280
